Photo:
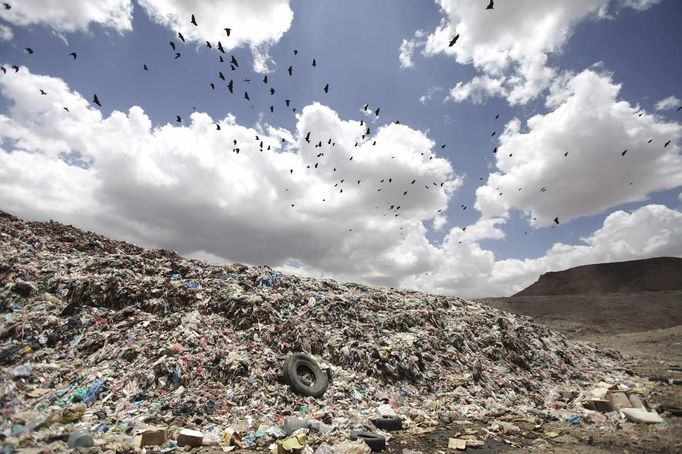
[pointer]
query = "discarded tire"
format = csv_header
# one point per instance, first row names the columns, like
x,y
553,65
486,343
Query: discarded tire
x,y
375,442
388,423
304,376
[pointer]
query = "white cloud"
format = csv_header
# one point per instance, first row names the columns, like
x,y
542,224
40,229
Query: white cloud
x,y
669,103
183,187
512,43
408,48
594,127
72,15
6,33
429,94
478,89
257,24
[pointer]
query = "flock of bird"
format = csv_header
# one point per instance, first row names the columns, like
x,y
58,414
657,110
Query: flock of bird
x,y
391,208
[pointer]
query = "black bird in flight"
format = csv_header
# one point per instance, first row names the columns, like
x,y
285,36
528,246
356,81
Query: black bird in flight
x,y
326,88
233,68
246,96
230,86
15,68
623,153
194,20
666,144
172,45
66,108
314,62
290,70
182,38
454,40
208,44
212,86
366,106
287,101
497,116
145,67
265,79
74,55
376,112
7,5
272,109
217,127
678,109
220,47
42,92
2,68
556,220
29,50
491,5
307,137
228,31
177,55
233,61
178,119
295,52
272,91
95,99
221,75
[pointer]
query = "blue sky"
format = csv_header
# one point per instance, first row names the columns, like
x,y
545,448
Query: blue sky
x,y
584,47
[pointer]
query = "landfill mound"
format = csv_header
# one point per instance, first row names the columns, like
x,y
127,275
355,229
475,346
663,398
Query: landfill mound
x,y
105,335
634,276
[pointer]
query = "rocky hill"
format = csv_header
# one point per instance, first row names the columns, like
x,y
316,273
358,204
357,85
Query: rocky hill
x,y
635,276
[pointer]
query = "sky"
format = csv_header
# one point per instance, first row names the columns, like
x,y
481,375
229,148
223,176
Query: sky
x,y
546,136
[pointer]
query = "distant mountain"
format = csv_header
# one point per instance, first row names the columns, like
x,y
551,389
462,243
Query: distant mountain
x,y
635,276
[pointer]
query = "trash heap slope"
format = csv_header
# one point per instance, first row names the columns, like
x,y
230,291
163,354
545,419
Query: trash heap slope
x,y
139,335
634,276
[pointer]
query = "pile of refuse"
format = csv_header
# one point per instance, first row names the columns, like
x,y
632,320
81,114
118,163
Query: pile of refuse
x,y
106,343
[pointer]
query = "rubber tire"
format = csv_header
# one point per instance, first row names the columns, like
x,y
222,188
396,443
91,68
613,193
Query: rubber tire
x,y
375,442
388,423
291,378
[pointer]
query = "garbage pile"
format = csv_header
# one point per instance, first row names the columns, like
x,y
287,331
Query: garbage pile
x,y
106,343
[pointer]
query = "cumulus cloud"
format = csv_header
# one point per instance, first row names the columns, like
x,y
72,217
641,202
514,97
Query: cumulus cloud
x,y
511,45
257,24
72,15
183,187
6,33
669,103
570,163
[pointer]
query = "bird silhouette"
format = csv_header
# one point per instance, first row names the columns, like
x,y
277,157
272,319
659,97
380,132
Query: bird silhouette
x,y
145,67
233,61
182,38
221,75
265,79
227,31
497,116
287,101
42,92
7,5
307,137
3,69
326,88
208,44
74,55
290,70
666,144
15,68
272,109
295,52
172,45
314,62
246,96
623,153
556,220
453,41
230,86
178,119
272,91
29,50
220,47
95,99
66,108
177,55
376,112
194,20
212,86
678,109
491,5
